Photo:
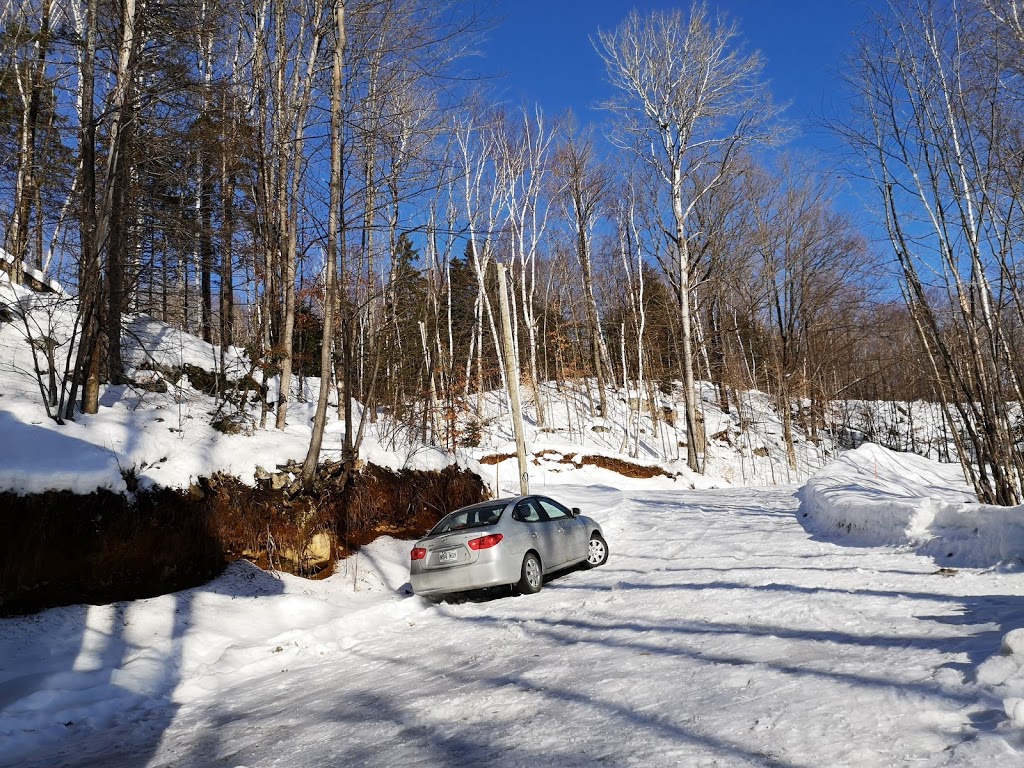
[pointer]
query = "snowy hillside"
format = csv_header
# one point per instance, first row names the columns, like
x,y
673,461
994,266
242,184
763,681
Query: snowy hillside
x,y
915,427
159,426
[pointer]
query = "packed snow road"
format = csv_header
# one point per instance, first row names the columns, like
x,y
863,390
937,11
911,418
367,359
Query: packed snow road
x,y
720,633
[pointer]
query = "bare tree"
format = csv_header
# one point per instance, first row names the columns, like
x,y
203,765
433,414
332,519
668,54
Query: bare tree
x,y
688,99
809,261
481,201
33,23
585,186
939,134
385,111
523,145
333,214
86,370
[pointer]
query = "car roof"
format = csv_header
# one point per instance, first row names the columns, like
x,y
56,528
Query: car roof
x,y
505,500
488,503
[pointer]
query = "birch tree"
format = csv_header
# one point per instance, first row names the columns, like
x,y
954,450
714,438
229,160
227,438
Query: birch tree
x,y
938,131
688,98
331,255
481,201
523,143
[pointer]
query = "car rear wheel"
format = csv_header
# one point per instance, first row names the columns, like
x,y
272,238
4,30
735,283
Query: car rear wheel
x,y
531,576
597,551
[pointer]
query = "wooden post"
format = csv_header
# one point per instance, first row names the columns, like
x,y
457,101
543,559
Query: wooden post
x,y
512,377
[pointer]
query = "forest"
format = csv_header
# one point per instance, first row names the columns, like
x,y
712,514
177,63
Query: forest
x,y
332,187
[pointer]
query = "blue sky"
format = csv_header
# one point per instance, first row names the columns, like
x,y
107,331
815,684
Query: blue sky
x,y
544,48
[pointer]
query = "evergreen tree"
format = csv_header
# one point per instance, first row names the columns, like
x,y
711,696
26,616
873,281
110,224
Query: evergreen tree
x,y
407,308
463,293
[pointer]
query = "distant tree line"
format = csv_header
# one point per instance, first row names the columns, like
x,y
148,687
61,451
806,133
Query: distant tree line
x,y
327,185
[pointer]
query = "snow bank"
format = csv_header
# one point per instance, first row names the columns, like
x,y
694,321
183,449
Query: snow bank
x,y
29,463
1004,674
873,496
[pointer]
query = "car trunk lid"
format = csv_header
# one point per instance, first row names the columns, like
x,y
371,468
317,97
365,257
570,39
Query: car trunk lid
x,y
447,550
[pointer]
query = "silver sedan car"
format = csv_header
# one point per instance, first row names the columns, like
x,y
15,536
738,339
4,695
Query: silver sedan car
x,y
509,541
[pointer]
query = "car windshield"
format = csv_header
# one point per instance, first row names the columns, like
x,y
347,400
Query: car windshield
x,y
470,517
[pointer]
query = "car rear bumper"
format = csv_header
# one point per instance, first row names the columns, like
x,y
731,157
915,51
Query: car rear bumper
x,y
460,578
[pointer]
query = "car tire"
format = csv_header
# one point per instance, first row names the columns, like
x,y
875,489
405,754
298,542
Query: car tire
x,y
597,551
531,577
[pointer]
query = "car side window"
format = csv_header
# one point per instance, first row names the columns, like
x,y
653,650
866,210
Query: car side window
x,y
553,510
526,512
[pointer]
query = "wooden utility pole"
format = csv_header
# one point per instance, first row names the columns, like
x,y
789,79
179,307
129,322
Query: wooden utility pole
x,y
512,377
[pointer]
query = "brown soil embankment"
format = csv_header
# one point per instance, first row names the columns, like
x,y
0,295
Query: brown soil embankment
x,y
60,548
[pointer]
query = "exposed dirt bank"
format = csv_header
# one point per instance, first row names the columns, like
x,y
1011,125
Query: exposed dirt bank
x,y
60,548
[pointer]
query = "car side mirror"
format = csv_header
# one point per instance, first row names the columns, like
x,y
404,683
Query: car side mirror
x,y
575,511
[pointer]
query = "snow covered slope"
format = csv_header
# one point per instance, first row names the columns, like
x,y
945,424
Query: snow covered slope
x,y
164,437
159,427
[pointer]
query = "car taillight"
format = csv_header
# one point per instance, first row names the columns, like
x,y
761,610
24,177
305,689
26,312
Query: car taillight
x,y
485,542
418,553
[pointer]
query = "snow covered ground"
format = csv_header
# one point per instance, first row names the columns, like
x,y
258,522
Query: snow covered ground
x,y
727,629
873,617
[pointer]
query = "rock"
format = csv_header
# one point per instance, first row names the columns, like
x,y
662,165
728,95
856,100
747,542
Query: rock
x,y
318,551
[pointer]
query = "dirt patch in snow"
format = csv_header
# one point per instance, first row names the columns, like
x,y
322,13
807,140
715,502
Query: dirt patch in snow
x,y
625,468
496,458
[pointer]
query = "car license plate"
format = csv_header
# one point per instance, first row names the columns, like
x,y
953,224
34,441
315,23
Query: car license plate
x,y
449,556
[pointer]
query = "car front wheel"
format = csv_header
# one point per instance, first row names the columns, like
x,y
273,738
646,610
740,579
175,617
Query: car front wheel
x,y
531,576
597,551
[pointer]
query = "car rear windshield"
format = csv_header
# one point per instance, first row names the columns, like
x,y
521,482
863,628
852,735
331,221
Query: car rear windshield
x,y
470,517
